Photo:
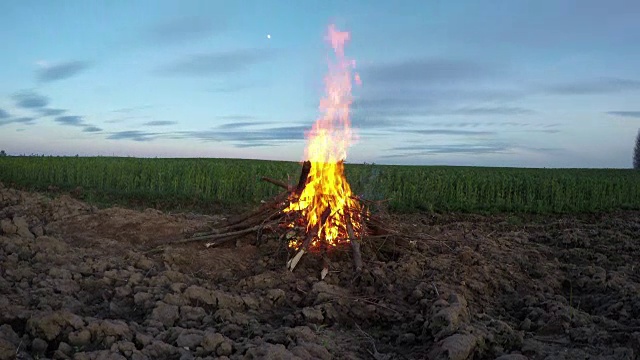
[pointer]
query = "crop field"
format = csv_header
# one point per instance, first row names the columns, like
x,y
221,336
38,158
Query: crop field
x,y
233,182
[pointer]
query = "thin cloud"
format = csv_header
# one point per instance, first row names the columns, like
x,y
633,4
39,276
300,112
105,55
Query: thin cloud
x,y
497,110
30,100
425,71
185,29
451,132
134,135
597,86
70,120
61,71
125,118
425,150
258,136
217,63
91,128
4,114
25,120
632,114
372,122
51,112
253,145
407,101
239,124
129,110
160,123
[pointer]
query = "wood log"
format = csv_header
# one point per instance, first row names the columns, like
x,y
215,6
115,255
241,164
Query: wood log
x,y
274,203
355,245
279,183
304,174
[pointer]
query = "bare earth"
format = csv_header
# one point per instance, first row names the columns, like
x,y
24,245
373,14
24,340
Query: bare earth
x,y
83,283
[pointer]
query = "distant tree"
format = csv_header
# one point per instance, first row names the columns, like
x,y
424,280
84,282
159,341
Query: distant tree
x,y
636,153
2,153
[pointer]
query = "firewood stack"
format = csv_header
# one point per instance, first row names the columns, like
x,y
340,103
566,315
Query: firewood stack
x,y
272,218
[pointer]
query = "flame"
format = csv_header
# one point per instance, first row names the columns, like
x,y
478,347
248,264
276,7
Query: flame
x,y
327,143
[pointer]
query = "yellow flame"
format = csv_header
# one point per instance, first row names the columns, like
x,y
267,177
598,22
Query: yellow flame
x,y
327,144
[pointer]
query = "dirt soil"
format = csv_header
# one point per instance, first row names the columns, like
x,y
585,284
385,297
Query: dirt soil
x,y
85,283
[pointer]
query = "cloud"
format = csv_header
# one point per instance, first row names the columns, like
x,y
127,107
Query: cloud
x,y
19,120
451,132
70,120
239,124
283,133
217,63
51,112
408,102
184,29
159,123
134,135
30,100
254,144
425,71
65,70
3,114
498,110
91,128
546,24
423,150
597,86
128,110
633,114
125,118
372,122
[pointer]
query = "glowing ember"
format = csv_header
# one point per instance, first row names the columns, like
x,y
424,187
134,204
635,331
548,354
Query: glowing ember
x,y
327,189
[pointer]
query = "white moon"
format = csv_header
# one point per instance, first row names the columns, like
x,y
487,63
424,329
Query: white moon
x,y
268,36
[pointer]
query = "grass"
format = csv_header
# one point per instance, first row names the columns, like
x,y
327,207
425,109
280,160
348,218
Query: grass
x,y
210,183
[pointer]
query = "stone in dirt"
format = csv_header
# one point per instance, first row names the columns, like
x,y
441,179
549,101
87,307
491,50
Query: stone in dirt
x,y
270,351
23,227
50,325
199,294
455,347
189,340
159,350
7,350
448,315
311,351
39,346
7,227
165,314
313,315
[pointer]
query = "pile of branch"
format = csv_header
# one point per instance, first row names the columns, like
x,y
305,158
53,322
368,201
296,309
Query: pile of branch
x,y
271,218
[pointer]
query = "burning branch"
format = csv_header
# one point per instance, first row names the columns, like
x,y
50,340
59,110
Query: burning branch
x,y
291,264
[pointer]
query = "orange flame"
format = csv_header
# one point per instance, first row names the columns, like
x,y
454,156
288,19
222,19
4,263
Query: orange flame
x,y
327,144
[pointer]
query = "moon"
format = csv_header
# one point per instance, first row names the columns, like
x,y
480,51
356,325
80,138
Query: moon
x,y
268,36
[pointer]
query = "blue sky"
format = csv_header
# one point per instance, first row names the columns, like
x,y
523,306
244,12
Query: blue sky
x,y
545,83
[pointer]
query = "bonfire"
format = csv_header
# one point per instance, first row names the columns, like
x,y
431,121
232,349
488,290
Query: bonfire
x,y
319,213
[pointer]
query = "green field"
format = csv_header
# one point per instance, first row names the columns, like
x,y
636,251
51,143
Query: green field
x,y
231,182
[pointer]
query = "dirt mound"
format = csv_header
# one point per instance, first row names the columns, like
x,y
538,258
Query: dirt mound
x,y
83,283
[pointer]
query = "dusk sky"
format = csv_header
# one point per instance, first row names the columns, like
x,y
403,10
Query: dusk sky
x,y
541,83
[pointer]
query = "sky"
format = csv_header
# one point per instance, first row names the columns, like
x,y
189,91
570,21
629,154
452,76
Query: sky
x,y
544,83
